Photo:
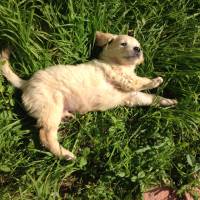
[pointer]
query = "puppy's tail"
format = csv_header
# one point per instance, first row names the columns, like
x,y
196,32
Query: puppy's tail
x,y
15,80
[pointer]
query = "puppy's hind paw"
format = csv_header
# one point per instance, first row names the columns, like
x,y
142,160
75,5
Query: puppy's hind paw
x,y
68,155
168,102
71,157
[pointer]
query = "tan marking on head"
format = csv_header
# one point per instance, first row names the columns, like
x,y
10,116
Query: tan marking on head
x,y
103,38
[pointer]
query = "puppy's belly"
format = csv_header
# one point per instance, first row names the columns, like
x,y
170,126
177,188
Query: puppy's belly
x,y
95,99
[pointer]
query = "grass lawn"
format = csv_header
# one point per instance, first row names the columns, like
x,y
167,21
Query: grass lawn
x,y
121,152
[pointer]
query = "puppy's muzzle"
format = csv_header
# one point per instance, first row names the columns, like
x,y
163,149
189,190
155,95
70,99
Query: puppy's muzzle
x,y
137,51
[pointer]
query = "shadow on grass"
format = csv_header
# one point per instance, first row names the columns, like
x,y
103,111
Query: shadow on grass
x,y
27,122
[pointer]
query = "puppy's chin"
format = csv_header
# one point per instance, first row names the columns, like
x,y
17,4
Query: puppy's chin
x,y
140,60
131,60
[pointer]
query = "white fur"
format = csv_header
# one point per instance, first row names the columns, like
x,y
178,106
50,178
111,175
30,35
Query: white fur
x,y
61,90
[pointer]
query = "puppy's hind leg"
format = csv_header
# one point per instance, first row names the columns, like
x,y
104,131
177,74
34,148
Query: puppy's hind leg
x,y
49,128
144,99
49,139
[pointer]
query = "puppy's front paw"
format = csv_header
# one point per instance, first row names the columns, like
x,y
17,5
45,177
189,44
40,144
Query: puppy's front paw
x,y
157,81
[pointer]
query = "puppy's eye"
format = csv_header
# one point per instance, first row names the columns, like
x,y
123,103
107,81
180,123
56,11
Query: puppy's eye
x,y
109,42
124,44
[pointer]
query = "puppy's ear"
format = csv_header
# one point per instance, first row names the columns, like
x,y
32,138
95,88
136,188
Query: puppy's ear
x,y
103,38
130,33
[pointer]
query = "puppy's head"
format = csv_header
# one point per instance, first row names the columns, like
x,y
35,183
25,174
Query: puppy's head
x,y
119,49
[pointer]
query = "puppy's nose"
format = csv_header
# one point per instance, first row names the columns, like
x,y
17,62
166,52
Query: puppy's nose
x,y
136,49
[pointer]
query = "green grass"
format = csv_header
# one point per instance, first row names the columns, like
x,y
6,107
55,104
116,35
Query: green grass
x,y
121,152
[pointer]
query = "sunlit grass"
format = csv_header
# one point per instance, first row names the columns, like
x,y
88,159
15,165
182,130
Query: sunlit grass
x,y
121,152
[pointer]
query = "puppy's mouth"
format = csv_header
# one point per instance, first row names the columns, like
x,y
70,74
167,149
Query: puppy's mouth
x,y
134,56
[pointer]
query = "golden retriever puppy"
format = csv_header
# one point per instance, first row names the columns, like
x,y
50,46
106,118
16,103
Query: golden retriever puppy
x,y
104,83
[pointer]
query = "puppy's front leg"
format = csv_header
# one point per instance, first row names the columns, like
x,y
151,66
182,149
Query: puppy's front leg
x,y
135,83
129,83
145,83
144,99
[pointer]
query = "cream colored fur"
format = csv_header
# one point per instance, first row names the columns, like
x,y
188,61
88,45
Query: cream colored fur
x,y
61,90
